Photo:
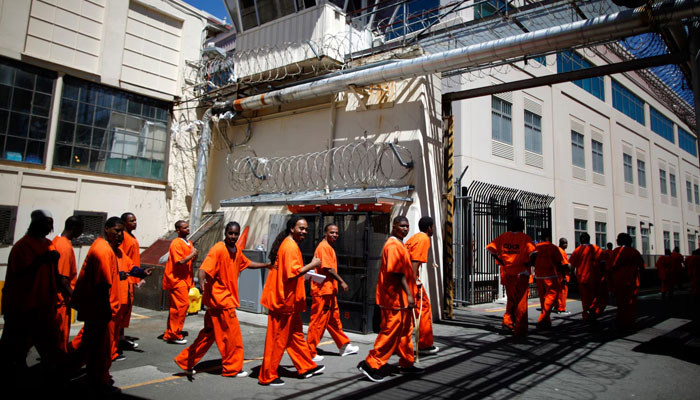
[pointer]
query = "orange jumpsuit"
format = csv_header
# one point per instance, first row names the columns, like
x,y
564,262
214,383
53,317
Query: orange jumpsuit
x,y
96,298
397,321
220,322
548,257
284,296
625,269
664,267
126,295
324,308
29,300
177,278
693,265
585,260
130,246
418,246
677,259
564,279
514,250
67,268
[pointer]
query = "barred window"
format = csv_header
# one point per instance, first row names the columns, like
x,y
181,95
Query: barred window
x,y
533,132
672,184
632,231
687,142
501,120
578,157
627,102
661,125
580,226
601,234
597,152
641,173
662,181
94,226
627,167
8,218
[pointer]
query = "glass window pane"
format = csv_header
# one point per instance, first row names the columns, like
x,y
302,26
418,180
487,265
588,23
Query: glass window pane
x,y
70,91
42,104
65,133
22,100
24,79
14,148
5,96
102,117
83,135
44,84
88,94
119,103
19,124
80,158
35,152
62,156
68,111
86,113
39,128
7,74
3,121
98,138
134,107
104,99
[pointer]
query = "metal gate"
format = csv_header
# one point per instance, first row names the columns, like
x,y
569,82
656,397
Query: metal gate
x,y
481,215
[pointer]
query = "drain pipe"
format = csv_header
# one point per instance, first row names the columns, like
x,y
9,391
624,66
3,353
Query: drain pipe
x,y
200,178
596,30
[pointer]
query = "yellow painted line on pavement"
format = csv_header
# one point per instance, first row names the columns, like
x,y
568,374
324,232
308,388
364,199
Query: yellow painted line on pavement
x,y
174,377
138,316
531,305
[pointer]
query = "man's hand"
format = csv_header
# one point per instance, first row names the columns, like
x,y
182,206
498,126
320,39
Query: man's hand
x,y
418,282
344,286
195,252
411,302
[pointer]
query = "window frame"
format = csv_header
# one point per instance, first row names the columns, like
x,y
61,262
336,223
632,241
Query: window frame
x,y
535,132
627,168
627,102
578,149
597,157
504,116
641,173
663,185
601,234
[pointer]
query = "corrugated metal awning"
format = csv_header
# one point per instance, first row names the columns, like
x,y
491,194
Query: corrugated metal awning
x,y
339,196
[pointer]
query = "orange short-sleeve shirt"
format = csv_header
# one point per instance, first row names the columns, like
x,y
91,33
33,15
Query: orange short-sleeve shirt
x,y
175,272
96,295
221,289
626,266
29,289
67,266
124,264
418,246
585,260
396,261
284,292
548,256
326,253
514,249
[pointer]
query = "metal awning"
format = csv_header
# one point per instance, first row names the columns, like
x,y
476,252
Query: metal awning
x,y
319,197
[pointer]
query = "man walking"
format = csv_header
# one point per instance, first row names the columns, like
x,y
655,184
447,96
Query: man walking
x,y
178,279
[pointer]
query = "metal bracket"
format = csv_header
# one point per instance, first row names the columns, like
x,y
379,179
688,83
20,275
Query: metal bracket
x,y
398,157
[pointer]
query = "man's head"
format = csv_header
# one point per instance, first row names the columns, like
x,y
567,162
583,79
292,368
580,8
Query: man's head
x,y
546,235
232,232
129,221
73,227
182,228
298,228
676,249
610,246
585,238
400,227
516,224
563,243
426,225
114,231
41,223
667,252
331,233
623,239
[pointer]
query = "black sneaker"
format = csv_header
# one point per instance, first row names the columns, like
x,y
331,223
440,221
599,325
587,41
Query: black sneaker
x,y
276,382
429,350
371,373
412,370
119,357
315,371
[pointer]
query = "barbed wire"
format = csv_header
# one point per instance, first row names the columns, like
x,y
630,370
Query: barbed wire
x,y
358,164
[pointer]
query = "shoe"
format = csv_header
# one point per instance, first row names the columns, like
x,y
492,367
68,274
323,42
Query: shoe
x,y
412,370
429,350
317,358
564,312
371,373
241,374
178,341
276,382
119,357
348,349
314,371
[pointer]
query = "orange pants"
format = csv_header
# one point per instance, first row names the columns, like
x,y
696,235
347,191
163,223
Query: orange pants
x,y
119,321
93,347
25,329
563,293
284,332
626,296
325,315
425,325
394,336
602,296
589,300
222,327
179,302
548,290
63,314
515,316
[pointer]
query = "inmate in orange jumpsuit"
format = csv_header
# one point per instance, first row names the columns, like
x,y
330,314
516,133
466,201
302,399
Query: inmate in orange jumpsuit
x,y
625,269
514,250
418,246
130,247
126,295
677,260
220,322
664,267
693,265
564,279
29,300
397,321
548,258
603,294
67,268
96,298
284,296
585,261
177,278
324,308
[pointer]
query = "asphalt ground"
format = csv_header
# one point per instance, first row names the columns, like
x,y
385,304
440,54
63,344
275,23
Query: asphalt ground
x,y
477,360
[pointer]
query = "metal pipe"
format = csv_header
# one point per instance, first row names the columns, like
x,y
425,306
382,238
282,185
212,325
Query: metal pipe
x,y
599,29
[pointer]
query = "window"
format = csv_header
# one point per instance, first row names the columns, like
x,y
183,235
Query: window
x,y
667,240
601,234
691,242
8,218
696,192
540,59
569,61
533,132
676,240
627,167
577,150
641,174
501,120
632,231
26,95
661,125
662,181
580,226
672,182
94,226
487,8
687,142
689,191
597,151
107,130
644,232
627,102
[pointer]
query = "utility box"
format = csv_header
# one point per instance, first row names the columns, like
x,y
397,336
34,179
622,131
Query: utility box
x,y
251,282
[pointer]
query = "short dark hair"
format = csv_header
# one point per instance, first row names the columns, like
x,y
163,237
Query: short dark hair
x,y
399,219
113,221
232,224
179,223
291,223
624,239
73,222
585,238
516,224
126,215
610,245
325,228
425,223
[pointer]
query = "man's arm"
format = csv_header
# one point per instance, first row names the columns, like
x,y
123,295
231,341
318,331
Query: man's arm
x,y
409,295
316,262
187,259
202,279
256,265
337,277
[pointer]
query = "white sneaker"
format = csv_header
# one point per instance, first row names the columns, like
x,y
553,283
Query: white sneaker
x,y
348,349
317,358
178,341
241,374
